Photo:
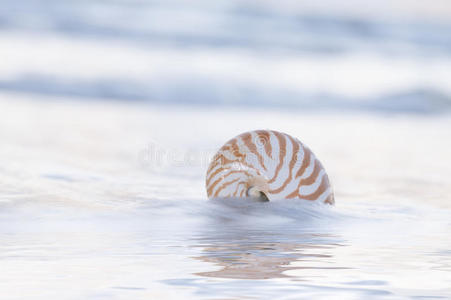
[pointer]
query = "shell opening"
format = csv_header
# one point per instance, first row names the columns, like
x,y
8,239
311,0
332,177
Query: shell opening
x,y
256,194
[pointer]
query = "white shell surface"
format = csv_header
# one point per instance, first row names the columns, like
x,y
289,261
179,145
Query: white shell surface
x,y
274,163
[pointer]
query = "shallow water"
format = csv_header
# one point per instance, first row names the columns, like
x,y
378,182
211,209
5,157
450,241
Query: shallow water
x,y
234,250
88,211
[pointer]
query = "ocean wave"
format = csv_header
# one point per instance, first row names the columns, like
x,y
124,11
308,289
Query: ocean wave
x,y
214,93
237,25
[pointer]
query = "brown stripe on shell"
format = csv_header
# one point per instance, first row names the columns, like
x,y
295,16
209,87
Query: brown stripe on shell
x,y
305,161
321,189
212,186
312,177
212,175
227,146
247,139
224,161
291,166
307,181
245,187
282,153
235,193
224,186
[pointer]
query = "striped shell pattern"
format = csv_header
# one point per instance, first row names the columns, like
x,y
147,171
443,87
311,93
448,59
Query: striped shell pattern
x,y
268,165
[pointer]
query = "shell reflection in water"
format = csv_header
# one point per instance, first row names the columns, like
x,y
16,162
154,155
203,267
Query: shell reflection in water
x,y
256,257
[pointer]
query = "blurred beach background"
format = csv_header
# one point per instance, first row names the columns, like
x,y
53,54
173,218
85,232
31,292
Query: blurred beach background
x,y
111,110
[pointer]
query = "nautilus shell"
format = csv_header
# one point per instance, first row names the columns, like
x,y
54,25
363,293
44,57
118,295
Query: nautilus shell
x,y
267,165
